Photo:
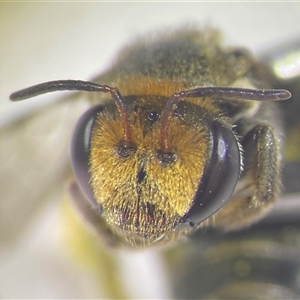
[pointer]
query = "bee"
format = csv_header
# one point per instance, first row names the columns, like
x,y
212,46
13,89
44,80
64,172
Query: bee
x,y
188,138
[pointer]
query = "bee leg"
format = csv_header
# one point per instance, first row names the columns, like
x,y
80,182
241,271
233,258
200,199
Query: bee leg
x,y
259,185
92,217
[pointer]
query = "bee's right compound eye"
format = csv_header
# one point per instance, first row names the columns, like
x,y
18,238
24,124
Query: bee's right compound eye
x,y
80,151
220,175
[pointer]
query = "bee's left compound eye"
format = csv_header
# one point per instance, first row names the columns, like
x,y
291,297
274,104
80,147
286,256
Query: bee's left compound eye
x,y
80,151
220,175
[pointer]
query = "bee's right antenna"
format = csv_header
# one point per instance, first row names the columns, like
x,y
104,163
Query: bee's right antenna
x,y
78,85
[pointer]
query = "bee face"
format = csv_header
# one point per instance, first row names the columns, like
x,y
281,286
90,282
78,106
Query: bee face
x,y
164,156
139,184
142,189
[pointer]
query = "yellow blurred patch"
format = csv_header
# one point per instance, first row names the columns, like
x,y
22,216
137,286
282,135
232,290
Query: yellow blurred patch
x,y
87,251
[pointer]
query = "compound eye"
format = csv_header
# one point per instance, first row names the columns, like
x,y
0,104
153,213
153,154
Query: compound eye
x,y
80,151
220,175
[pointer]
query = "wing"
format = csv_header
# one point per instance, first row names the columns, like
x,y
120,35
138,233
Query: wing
x,y
34,163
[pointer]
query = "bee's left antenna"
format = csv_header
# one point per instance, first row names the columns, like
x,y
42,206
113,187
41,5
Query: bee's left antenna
x,y
221,93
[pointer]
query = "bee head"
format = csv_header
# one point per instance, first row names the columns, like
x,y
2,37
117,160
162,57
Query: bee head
x,y
181,165
155,166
